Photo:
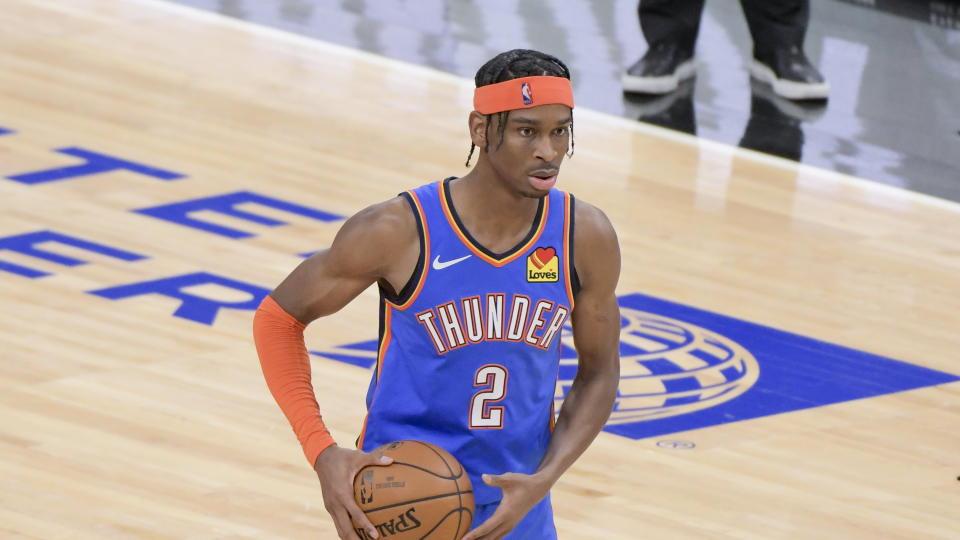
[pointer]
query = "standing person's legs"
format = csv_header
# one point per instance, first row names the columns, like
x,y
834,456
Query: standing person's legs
x,y
776,24
670,21
670,28
778,28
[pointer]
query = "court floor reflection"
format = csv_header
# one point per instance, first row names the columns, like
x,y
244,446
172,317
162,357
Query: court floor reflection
x,y
774,126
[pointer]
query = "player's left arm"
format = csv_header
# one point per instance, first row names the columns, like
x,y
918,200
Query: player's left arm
x,y
596,334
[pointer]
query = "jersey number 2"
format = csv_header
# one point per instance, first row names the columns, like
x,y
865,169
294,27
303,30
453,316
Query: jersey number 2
x,y
493,378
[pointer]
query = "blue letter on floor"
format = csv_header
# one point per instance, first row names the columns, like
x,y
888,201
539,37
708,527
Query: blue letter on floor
x,y
193,307
96,163
26,244
226,204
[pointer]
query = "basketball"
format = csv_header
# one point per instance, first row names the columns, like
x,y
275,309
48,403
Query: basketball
x,y
425,493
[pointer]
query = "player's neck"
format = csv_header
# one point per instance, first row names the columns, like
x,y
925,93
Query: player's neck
x,y
493,213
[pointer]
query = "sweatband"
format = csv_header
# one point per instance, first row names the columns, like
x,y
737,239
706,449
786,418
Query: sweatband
x,y
523,93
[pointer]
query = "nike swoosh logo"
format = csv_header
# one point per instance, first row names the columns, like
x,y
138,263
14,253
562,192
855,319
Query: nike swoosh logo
x,y
437,265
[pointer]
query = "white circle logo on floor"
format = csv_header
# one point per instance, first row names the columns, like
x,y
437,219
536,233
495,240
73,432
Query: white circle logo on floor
x,y
669,367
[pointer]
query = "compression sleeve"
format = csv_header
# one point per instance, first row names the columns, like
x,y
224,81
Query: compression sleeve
x,y
286,368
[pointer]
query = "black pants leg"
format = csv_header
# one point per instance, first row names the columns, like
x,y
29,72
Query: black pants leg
x,y
670,20
776,24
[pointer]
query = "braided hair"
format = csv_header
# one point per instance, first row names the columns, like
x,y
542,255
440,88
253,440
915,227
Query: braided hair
x,y
514,65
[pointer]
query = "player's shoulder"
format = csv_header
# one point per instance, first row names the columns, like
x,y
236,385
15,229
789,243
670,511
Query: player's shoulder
x,y
591,223
597,253
391,209
391,220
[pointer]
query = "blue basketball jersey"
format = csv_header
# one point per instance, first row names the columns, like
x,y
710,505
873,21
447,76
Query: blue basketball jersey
x,y
469,350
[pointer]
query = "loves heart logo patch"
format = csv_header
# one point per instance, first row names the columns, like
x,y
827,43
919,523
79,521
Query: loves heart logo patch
x,y
543,266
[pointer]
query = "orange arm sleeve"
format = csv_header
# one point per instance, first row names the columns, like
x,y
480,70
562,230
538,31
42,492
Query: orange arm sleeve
x,y
286,368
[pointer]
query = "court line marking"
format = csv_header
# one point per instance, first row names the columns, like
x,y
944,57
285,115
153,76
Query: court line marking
x,y
618,121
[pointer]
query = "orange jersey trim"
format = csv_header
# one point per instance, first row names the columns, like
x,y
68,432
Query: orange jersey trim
x,y
426,255
553,415
381,353
567,266
476,250
553,402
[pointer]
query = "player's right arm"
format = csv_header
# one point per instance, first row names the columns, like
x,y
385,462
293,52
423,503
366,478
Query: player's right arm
x,y
378,244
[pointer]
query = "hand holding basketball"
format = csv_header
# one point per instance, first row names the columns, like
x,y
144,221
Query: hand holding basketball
x,y
521,492
336,467
424,495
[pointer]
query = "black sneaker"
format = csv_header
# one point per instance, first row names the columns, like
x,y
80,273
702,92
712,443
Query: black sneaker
x,y
801,110
790,74
660,70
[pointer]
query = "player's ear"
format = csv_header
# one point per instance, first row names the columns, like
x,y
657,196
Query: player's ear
x,y
478,128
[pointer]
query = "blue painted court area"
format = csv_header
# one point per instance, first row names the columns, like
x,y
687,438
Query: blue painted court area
x,y
684,368
795,372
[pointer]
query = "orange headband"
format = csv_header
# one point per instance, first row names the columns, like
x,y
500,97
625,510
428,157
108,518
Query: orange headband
x,y
523,93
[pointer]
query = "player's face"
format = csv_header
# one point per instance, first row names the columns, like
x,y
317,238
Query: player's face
x,y
534,143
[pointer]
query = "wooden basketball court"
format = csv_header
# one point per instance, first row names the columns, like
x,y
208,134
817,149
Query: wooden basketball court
x,y
119,419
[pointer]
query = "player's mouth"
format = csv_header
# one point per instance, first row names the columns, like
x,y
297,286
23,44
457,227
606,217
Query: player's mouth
x,y
543,179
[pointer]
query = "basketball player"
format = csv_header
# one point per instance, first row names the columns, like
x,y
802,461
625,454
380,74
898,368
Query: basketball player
x,y
477,276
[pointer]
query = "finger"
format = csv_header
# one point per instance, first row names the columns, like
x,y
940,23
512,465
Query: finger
x,y
380,459
495,534
500,531
495,480
484,528
474,534
361,519
341,519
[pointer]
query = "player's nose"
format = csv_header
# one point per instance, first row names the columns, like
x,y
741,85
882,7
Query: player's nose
x,y
545,150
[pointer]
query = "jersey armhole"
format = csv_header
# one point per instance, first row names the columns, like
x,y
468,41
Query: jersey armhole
x,y
411,285
572,270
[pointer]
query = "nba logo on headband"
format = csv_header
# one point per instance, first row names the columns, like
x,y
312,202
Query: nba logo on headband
x,y
518,94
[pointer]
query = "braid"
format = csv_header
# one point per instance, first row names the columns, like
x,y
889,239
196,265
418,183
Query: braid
x,y
514,65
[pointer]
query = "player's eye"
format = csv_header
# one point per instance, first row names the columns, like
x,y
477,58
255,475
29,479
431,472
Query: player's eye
x,y
525,132
561,131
